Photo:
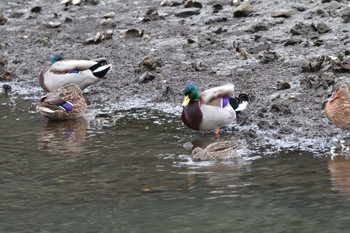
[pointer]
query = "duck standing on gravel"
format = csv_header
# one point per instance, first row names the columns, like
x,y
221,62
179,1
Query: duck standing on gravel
x,y
337,108
210,109
80,72
64,103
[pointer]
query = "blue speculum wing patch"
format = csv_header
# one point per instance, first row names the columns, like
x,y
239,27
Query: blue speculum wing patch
x,y
74,71
67,106
225,101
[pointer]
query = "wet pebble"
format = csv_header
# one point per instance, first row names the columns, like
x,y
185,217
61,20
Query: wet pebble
x,y
99,37
152,15
146,77
281,13
333,5
193,3
345,14
172,3
243,10
108,22
109,15
53,24
17,13
256,27
187,13
217,8
260,47
293,41
133,33
302,29
3,19
313,64
281,108
321,27
149,63
268,56
264,125
36,9
6,88
282,85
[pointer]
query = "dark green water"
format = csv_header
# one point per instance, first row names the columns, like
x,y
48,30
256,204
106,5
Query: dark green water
x,y
133,176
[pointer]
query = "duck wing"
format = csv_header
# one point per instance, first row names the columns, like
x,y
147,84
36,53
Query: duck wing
x,y
214,95
66,66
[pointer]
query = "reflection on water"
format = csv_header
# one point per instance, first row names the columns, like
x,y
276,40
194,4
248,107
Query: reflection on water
x,y
339,169
132,174
62,136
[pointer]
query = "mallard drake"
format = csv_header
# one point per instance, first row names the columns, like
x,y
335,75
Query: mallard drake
x,y
63,104
210,109
81,72
337,108
216,151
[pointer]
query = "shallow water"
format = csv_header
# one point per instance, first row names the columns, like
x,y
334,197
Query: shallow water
x,y
132,174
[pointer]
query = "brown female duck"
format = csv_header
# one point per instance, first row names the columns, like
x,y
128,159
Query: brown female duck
x,y
65,103
216,151
337,108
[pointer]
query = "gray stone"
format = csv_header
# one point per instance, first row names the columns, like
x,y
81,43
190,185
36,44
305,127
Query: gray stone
x,y
333,5
243,10
345,14
282,13
321,27
187,13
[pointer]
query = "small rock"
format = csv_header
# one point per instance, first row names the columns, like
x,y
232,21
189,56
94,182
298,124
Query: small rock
x,y
281,108
321,27
236,2
325,1
282,85
148,63
264,125
7,88
193,3
165,89
17,13
333,5
3,19
107,35
187,13
260,26
217,8
108,23
260,47
109,15
53,24
133,33
243,10
172,3
268,56
206,39
338,64
345,14
146,77
5,75
151,15
313,64
302,29
36,9
68,20
293,42
282,13
275,96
